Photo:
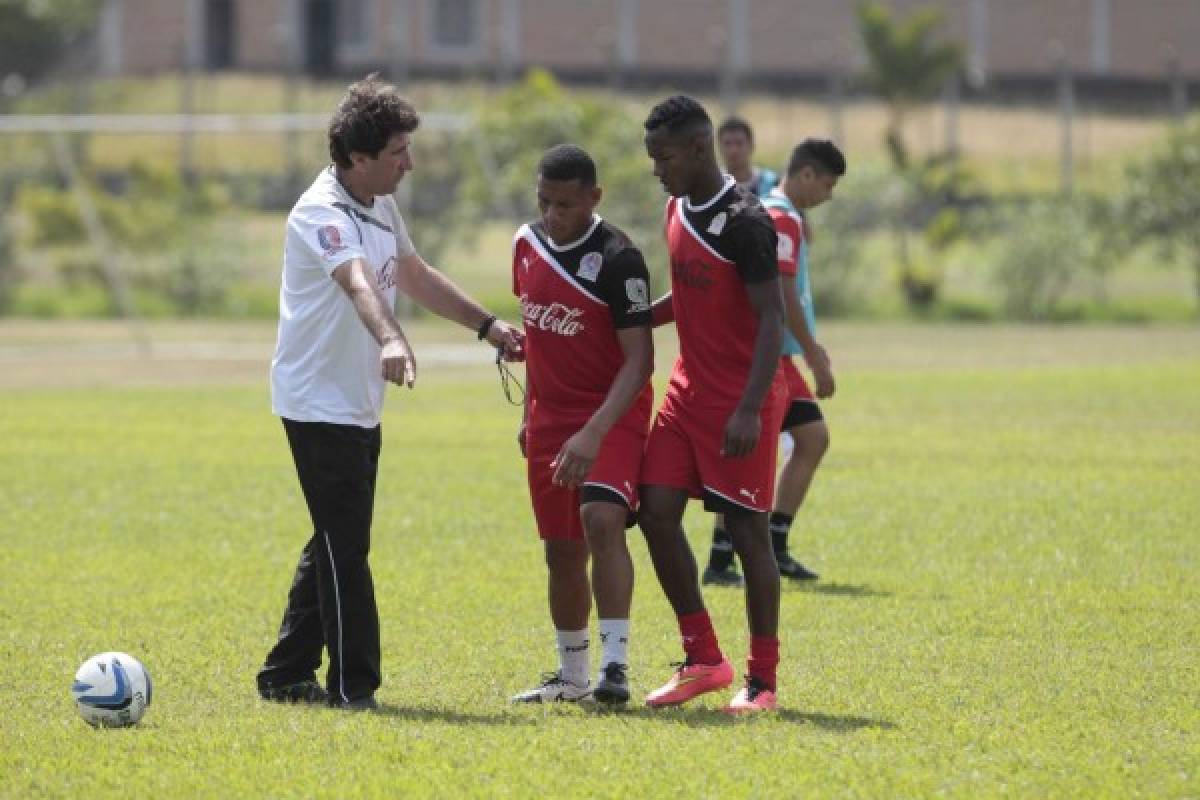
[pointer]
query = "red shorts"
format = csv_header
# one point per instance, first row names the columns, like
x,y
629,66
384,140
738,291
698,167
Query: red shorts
x,y
801,405
684,452
797,387
616,472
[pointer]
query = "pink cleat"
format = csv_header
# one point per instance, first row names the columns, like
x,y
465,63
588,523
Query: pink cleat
x,y
752,698
691,680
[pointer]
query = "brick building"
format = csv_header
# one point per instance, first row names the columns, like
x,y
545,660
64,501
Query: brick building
x,y
758,40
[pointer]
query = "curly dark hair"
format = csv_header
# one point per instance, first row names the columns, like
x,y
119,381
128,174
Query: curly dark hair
x,y
678,114
369,115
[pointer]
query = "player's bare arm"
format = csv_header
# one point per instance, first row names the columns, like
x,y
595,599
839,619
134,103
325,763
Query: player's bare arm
x,y
744,425
433,290
814,354
662,311
578,453
396,360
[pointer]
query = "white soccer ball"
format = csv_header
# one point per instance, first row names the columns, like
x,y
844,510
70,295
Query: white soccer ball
x,y
112,690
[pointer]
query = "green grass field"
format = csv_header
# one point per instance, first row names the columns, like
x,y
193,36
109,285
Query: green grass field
x,y
1007,526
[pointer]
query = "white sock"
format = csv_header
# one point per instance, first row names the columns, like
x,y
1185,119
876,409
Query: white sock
x,y
614,634
573,656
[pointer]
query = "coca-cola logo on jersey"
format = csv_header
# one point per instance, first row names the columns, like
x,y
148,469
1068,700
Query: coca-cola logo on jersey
x,y
553,317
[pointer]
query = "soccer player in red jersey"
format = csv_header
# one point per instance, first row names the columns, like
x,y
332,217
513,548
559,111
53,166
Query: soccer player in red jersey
x,y
715,435
585,299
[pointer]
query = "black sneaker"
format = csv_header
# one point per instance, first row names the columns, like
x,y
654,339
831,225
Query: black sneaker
x,y
792,569
301,692
361,704
613,686
722,577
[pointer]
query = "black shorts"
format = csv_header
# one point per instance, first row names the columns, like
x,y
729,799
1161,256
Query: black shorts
x,y
801,412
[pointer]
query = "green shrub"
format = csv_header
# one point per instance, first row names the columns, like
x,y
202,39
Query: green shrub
x,y
152,222
838,274
1161,203
251,301
499,160
1049,247
51,302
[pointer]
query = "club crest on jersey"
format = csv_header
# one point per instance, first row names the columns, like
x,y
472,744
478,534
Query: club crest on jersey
x,y
589,266
718,224
786,250
330,239
638,293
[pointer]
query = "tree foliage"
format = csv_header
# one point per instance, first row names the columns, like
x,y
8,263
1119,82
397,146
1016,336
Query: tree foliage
x,y
156,217
1162,203
517,126
907,63
34,34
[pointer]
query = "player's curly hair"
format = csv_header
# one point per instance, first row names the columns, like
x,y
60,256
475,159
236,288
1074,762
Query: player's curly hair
x,y
678,114
821,154
568,162
370,114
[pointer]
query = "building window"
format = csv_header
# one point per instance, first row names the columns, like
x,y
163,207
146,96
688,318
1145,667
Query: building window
x,y
456,24
354,24
220,34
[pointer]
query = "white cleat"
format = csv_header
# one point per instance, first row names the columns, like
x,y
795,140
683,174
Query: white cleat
x,y
555,690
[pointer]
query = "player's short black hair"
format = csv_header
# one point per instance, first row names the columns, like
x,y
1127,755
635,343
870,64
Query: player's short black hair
x,y
678,114
568,162
736,124
820,154
369,115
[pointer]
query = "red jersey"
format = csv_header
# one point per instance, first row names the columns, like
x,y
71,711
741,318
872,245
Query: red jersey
x,y
789,227
574,298
716,249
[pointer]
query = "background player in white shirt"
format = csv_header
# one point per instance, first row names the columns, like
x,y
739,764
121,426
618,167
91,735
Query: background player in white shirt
x,y
347,252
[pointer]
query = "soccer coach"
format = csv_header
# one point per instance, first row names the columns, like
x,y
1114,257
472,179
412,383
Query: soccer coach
x,y
346,253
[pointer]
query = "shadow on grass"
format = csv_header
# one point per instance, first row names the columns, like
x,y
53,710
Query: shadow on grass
x,y
412,714
837,723
837,589
712,717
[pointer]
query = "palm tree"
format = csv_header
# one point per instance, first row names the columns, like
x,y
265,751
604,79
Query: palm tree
x,y
907,64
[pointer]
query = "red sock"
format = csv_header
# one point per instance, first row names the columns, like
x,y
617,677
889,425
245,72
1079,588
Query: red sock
x,y
699,638
764,658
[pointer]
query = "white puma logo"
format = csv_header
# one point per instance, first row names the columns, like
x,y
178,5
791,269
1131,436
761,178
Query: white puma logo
x,y
752,495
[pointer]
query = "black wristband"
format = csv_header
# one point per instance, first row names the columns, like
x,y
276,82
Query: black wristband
x,y
486,326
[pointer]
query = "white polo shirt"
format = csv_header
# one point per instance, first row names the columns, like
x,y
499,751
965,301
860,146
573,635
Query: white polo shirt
x,y
326,364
